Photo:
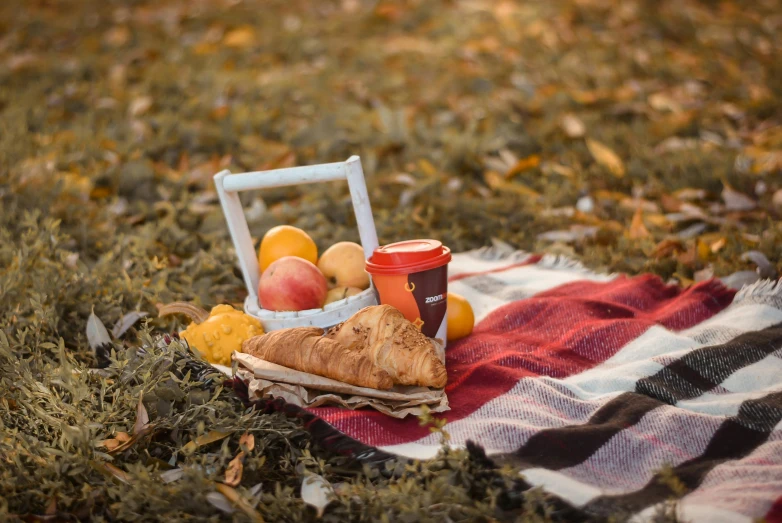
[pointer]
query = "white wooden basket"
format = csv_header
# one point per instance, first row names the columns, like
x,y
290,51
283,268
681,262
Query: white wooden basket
x,y
228,186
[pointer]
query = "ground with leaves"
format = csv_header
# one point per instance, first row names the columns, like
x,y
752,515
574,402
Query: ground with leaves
x,y
636,136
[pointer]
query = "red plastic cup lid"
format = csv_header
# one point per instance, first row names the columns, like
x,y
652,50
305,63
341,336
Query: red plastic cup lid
x,y
408,256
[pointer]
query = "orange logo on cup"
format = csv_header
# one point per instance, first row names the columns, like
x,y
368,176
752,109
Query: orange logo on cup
x,y
394,290
413,277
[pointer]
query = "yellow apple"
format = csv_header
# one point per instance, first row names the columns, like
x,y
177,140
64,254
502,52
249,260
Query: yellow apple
x,y
343,265
340,293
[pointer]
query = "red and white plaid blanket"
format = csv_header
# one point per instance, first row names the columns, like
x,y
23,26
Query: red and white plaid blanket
x,y
595,383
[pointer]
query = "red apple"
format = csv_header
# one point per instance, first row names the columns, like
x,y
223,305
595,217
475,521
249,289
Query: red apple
x,y
292,284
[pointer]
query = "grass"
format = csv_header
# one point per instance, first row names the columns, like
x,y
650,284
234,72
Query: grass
x,y
473,121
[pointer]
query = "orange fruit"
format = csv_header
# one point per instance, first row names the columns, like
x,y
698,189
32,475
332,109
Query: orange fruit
x,y
461,318
286,240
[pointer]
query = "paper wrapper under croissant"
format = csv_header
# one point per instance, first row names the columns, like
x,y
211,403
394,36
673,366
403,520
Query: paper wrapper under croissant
x,y
309,390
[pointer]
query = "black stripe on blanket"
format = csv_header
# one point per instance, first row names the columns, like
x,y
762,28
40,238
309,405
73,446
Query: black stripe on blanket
x,y
564,447
736,438
704,369
686,378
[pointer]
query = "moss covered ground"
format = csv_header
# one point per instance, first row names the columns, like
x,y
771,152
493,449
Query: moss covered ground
x,y
636,136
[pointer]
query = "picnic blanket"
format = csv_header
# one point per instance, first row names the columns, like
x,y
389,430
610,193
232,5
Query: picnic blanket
x,y
593,384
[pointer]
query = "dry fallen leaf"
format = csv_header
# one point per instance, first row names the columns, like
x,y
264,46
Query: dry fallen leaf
x,y
118,76
243,36
119,437
426,167
315,492
140,105
233,473
688,258
126,322
736,201
667,247
702,249
704,274
683,280
657,220
508,157
717,245
71,260
248,440
777,198
663,102
530,162
635,203
739,279
51,508
637,228
496,182
555,168
117,36
566,212
609,196
220,502
25,60
765,268
688,193
97,334
692,231
204,439
234,497
670,203
109,469
585,204
750,238
172,475
110,444
575,233
688,212
120,442
606,157
401,179
674,143
573,126
142,418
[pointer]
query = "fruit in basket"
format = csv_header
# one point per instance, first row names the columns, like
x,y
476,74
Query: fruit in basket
x,y
344,265
286,240
340,293
461,318
215,334
292,284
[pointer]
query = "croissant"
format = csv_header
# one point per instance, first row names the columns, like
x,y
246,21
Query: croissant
x,y
307,350
394,344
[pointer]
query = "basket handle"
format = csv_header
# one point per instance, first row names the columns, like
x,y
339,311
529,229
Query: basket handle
x,y
228,186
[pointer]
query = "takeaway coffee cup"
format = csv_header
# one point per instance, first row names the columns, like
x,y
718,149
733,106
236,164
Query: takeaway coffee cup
x,y
413,277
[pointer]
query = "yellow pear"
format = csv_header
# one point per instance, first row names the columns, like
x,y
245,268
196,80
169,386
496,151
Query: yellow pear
x,y
343,265
340,293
